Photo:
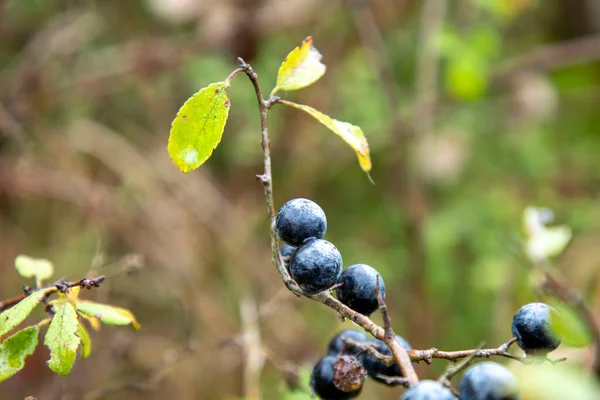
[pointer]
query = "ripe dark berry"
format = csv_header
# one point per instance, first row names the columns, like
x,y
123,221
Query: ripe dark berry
x,y
532,326
316,266
300,219
489,381
428,390
336,345
321,381
287,252
357,291
375,367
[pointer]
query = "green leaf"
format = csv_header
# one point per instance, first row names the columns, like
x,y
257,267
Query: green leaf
x,y
198,127
86,341
62,339
351,134
30,267
569,326
555,382
12,317
301,68
15,349
107,314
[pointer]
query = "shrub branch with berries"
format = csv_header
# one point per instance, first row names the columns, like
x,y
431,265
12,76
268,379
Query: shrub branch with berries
x,y
312,267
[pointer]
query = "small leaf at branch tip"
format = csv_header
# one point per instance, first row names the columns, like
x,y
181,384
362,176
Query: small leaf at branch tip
x,y
301,68
198,127
29,267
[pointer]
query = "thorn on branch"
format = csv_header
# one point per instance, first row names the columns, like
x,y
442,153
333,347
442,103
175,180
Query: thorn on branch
x,y
264,179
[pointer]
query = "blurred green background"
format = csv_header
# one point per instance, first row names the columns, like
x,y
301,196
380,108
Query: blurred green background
x,y
474,109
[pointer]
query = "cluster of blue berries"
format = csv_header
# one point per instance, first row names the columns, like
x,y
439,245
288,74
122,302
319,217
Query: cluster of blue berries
x,y
316,265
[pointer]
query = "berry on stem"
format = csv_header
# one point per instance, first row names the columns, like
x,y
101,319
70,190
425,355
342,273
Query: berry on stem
x,y
428,390
358,288
316,266
336,345
489,381
300,219
532,326
322,381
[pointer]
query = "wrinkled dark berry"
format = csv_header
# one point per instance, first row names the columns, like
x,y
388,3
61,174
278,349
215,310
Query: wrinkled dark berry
x,y
300,219
348,374
321,381
489,381
375,367
428,390
358,288
532,326
316,266
336,345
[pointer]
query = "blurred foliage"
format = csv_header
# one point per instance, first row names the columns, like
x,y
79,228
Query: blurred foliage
x,y
88,91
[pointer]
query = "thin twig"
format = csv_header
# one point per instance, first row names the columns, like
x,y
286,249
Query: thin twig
x,y
452,371
400,353
576,51
266,177
430,354
60,286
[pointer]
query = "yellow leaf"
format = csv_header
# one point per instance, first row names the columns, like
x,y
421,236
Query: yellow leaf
x,y
86,341
351,134
301,68
108,314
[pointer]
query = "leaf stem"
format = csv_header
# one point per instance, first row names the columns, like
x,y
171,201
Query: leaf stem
x,y
233,75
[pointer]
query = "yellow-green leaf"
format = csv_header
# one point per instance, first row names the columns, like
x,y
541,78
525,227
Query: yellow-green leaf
x,y
62,339
15,349
86,341
351,134
107,314
548,242
12,317
301,68
569,326
198,127
30,267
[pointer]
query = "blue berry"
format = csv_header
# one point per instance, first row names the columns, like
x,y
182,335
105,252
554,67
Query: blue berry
x,y
489,381
428,390
357,291
316,266
322,381
375,367
336,345
532,326
300,219
287,250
